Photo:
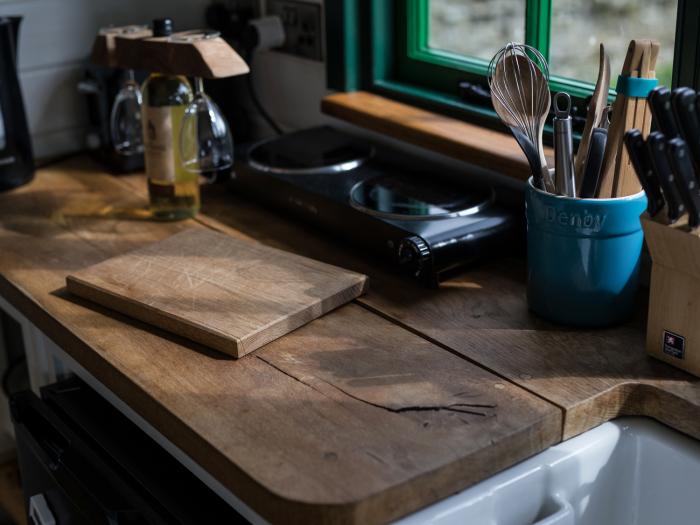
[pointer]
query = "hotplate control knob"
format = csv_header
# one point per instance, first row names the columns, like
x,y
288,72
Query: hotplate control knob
x,y
414,255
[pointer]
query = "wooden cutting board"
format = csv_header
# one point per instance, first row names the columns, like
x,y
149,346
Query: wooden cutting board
x,y
229,294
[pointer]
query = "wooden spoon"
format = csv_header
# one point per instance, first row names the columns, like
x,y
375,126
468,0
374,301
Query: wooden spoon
x,y
599,101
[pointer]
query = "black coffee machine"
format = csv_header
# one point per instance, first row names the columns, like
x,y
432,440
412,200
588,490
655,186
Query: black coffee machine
x,y
16,158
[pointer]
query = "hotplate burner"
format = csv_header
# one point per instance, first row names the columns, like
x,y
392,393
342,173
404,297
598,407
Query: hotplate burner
x,y
330,152
424,222
408,198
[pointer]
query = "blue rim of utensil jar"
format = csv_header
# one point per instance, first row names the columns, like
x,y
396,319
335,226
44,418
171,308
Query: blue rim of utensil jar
x,y
587,199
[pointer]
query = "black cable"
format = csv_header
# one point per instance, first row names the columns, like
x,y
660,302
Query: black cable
x,y
256,101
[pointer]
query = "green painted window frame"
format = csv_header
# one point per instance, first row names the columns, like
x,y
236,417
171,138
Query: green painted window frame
x,y
375,45
419,60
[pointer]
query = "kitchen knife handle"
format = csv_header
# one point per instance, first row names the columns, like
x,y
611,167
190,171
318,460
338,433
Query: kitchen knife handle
x,y
660,103
656,147
639,156
594,163
683,101
679,155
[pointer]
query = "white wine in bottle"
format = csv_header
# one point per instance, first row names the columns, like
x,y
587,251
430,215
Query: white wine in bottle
x,y
173,191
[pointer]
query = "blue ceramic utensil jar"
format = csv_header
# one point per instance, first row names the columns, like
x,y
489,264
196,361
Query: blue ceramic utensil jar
x,y
583,257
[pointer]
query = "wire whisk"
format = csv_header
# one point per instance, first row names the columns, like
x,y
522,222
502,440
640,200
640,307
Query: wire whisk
x,y
518,77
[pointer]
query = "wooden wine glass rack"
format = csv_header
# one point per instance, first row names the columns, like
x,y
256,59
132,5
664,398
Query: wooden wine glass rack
x,y
135,47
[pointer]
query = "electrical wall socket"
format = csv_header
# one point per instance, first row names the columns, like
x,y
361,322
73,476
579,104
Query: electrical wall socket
x,y
302,27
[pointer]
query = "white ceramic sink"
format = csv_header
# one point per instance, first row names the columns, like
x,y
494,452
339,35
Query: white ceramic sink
x,y
631,471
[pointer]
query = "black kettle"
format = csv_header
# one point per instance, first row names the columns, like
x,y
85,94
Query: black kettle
x,y
16,158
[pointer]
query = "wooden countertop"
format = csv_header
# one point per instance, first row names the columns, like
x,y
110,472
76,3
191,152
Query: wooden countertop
x,y
373,411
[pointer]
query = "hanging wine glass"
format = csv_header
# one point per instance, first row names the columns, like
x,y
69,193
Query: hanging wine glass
x,y
125,120
206,146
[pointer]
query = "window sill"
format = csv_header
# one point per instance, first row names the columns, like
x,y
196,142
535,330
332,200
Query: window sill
x,y
451,137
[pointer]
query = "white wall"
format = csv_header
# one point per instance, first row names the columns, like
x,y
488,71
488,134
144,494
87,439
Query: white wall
x,y
290,87
55,39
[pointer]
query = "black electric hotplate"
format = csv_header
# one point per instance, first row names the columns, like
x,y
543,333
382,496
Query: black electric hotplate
x,y
380,200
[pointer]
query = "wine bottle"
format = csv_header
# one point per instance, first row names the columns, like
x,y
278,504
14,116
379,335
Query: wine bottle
x,y
173,191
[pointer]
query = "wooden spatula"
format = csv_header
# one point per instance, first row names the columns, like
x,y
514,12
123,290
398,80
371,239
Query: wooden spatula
x,y
599,101
626,182
617,176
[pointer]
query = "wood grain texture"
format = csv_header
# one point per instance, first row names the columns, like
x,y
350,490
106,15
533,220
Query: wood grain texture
x,y
596,107
206,58
229,294
593,375
617,174
674,292
349,419
455,138
104,47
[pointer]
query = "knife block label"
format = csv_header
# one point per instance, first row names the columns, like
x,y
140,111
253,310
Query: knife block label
x,y
673,345
158,143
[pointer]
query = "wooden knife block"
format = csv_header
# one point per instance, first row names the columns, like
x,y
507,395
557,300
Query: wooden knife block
x,y
673,326
125,48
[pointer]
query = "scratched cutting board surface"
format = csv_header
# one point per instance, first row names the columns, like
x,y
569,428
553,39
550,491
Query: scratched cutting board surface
x,y
229,294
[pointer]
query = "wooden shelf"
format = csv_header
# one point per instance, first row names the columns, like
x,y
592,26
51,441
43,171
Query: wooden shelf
x,y
474,144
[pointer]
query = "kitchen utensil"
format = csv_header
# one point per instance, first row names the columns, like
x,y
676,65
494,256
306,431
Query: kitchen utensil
x,y
697,110
125,120
594,116
520,94
605,118
682,166
594,161
583,257
639,156
683,101
656,146
630,110
230,294
564,181
660,103
16,157
533,158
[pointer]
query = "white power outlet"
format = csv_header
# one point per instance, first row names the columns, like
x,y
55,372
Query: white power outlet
x,y
302,26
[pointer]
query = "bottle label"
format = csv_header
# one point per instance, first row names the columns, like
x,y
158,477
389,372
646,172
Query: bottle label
x,y
158,143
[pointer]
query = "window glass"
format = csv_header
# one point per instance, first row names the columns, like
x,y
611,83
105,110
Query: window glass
x,y
477,28
579,26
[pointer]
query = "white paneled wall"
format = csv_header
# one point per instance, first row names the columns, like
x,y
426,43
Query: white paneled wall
x,y
55,40
290,87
